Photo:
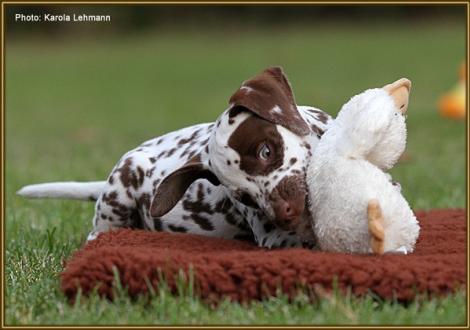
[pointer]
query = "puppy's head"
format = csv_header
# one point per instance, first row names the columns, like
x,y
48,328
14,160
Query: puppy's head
x,y
258,150
372,124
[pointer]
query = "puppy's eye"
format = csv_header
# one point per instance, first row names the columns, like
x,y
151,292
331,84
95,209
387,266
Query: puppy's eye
x,y
264,152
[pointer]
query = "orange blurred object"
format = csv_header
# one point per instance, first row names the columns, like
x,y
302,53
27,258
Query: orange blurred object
x,y
452,104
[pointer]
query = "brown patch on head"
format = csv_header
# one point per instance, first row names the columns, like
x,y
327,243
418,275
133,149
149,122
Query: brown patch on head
x,y
259,132
270,96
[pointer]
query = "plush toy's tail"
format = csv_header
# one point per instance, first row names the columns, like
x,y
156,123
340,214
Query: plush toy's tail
x,y
376,229
88,191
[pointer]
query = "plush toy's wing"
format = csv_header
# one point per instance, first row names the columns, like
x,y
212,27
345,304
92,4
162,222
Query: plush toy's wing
x,y
376,229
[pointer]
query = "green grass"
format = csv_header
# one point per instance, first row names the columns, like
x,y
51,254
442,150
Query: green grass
x,y
74,107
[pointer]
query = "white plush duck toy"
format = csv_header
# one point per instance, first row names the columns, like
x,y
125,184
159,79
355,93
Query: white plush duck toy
x,y
355,207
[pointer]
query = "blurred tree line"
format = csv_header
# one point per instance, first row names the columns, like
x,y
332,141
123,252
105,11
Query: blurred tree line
x,y
131,18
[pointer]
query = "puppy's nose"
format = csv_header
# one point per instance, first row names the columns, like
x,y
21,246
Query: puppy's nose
x,y
288,211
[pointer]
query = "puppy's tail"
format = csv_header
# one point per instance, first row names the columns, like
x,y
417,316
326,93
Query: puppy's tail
x,y
87,191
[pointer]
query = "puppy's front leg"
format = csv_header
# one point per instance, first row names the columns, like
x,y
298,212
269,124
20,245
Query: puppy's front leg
x,y
269,236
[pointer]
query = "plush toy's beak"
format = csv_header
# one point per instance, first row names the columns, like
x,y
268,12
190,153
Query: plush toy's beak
x,y
400,92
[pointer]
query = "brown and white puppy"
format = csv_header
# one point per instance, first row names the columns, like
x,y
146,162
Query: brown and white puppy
x,y
242,176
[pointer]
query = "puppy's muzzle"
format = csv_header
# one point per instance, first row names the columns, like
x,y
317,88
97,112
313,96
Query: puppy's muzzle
x,y
288,201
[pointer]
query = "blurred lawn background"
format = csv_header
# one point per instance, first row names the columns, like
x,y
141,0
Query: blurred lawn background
x,y
78,96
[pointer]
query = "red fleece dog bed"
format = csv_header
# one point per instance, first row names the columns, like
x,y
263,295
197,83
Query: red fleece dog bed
x,y
243,272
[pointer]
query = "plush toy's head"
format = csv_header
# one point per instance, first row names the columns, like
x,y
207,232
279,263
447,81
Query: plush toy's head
x,y
372,126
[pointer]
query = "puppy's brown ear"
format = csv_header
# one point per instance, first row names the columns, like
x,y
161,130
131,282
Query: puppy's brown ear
x,y
270,96
173,187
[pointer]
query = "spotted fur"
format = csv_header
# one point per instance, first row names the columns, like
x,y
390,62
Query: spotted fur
x,y
200,180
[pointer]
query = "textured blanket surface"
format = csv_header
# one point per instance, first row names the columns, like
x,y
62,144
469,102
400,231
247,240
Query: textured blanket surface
x,y
243,272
